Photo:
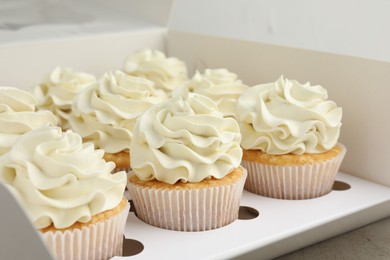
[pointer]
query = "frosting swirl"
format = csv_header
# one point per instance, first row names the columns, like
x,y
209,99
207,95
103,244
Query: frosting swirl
x,y
185,139
57,90
221,85
166,72
105,112
58,179
288,117
18,115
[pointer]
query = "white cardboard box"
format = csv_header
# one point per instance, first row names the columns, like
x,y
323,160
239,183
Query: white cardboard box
x,y
359,85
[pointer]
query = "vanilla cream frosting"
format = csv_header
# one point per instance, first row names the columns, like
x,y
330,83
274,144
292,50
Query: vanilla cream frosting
x,y
18,115
60,180
221,85
166,72
185,139
57,90
105,112
288,117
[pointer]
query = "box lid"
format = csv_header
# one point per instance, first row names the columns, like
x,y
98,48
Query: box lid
x,y
353,28
315,25
35,20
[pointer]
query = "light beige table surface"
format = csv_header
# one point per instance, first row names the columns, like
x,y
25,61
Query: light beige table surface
x,y
371,242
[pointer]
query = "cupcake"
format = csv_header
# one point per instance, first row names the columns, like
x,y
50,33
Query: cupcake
x,y
221,85
290,137
186,165
18,115
166,72
68,192
105,113
57,90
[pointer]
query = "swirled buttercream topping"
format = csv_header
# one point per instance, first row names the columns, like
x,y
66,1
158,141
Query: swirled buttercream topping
x,y
58,179
18,115
166,72
185,139
57,90
288,117
221,85
105,112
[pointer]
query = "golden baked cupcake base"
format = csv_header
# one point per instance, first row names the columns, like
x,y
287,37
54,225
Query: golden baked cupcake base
x,y
200,206
290,176
100,238
290,159
121,160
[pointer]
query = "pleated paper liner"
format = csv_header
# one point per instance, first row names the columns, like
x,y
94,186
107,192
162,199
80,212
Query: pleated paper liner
x,y
196,209
102,240
293,182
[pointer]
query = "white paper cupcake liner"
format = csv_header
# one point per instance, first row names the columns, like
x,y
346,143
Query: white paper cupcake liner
x,y
293,182
188,210
102,240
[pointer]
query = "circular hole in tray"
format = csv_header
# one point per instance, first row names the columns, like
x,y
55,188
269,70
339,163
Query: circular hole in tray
x,y
339,185
131,247
246,213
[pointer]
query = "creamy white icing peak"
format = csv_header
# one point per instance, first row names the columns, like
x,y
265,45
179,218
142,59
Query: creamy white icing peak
x,y
57,90
166,72
58,179
18,115
221,85
185,139
288,117
106,111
